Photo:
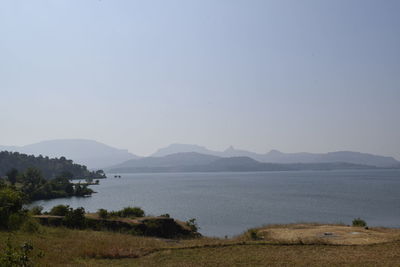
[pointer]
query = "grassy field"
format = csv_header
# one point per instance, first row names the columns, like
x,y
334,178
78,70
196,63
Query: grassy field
x,y
65,247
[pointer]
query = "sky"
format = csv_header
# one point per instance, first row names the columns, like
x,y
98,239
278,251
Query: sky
x,y
295,76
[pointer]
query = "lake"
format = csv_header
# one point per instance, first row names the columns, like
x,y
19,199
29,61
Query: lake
x,y
226,204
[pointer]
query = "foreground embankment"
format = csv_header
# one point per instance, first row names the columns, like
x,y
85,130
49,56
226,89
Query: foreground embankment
x,y
288,245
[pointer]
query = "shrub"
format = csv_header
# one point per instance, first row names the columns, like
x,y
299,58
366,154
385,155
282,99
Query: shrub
x,y
60,210
103,213
30,226
75,218
359,222
253,234
18,255
15,220
192,225
131,212
36,210
10,203
154,228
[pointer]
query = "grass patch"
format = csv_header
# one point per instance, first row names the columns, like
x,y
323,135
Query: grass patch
x,y
67,247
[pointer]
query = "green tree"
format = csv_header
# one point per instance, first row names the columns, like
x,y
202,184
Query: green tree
x,y
193,224
11,202
60,210
12,176
66,174
75,218
359,222
32,179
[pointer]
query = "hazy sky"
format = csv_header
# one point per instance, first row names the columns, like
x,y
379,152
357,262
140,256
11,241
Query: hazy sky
x,y
291,75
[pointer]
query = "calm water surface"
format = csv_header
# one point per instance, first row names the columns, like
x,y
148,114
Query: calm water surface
x,y
230,203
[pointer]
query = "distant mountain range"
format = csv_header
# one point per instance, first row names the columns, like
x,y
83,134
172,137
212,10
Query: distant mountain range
x,y
275,156
90,153
96,155
196,162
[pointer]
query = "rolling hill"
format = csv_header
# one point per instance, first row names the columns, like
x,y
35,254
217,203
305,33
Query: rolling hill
x,y
275,156
90,153
196,162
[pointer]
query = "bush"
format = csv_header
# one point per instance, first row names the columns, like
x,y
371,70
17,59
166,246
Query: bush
x,y
75,218
60,210
103,213
30,226
10,207
131,212
18,255
15,220
253,234
36,210
192,225
359,222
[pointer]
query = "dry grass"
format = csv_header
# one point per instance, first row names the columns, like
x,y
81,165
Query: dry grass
x,y
328,234
64,247
276,255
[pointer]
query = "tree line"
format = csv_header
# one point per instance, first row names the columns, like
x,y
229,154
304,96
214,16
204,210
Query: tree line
x,y
50,168
34,187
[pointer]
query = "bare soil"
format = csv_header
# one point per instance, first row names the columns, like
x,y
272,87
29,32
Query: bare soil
x,y
330,234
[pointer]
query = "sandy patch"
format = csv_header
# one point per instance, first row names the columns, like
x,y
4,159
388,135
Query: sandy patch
x,y
334,234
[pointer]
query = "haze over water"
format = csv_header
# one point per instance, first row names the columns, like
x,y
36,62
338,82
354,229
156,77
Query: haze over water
x,y
230,203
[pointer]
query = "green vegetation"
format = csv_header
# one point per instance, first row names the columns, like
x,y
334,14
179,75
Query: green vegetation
x,y
359,222
253,234
51,168
75,218
43,178
59,210
128,212
192,224
14,256
34,187
11,202
129,220
36,210
103,213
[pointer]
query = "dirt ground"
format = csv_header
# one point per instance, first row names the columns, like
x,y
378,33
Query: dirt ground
x,y
333,234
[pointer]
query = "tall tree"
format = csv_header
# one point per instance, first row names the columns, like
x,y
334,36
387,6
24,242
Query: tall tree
x,y
12,176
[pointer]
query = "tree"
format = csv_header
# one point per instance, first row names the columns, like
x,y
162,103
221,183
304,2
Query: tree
x,y
50,168
60,210
193,224
75,218
11,202
12,176
32,179
66,174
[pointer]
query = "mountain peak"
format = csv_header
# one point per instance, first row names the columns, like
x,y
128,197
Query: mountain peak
x,y
274,152
180,148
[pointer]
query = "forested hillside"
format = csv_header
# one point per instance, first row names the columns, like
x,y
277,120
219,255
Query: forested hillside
x,y
49,167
